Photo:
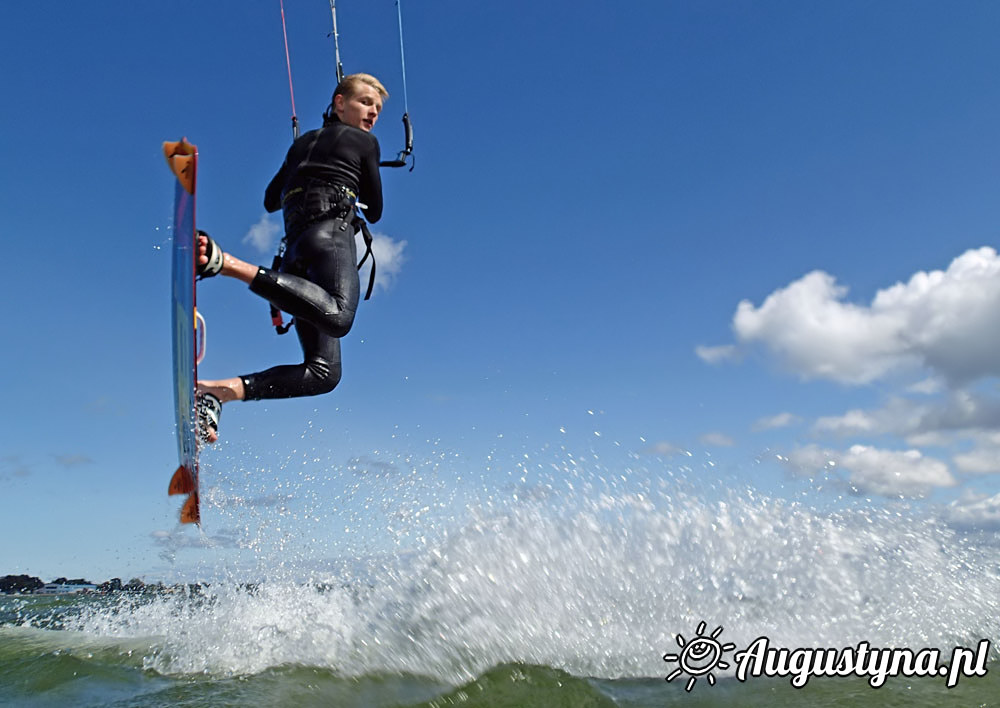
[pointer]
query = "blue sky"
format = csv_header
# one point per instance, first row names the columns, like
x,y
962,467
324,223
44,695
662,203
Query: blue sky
x,y
751,242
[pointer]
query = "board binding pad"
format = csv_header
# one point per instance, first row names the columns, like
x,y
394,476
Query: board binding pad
x,y
182,157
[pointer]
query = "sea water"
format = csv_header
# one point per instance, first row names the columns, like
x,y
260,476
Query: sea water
x,y
569,588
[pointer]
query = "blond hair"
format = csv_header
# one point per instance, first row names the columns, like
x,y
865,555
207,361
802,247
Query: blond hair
x,y
347,87
349,84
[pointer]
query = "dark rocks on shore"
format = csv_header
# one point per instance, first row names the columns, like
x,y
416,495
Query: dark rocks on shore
x,y
26,585
19,584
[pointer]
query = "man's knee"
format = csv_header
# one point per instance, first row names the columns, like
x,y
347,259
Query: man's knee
x,y
336,324
325,376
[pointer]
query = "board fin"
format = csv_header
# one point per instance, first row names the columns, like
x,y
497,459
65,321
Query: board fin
x,y
181,156
182,482
191,511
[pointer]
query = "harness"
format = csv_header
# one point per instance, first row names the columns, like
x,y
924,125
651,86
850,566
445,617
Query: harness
x,y
321,201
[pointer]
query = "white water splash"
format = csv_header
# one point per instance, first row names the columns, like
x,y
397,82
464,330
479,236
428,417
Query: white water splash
x,y
596,583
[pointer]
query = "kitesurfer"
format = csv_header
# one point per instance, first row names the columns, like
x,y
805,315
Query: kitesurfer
x,y
326,173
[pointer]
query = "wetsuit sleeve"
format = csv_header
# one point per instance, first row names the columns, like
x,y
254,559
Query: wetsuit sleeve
x,y
370,185
272,195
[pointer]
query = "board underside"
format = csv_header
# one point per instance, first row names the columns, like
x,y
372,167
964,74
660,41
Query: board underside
x,y
183,159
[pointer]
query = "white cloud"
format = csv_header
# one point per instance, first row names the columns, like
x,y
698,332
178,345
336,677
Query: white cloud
x,y
782,420
962,413
716,440
927,386
975,512
851,423
816,335
717,355
389,259
983,458
942,325
894,473
869,470
264,235
810,460
948,321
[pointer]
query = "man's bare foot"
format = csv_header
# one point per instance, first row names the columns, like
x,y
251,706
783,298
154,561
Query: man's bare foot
x,y
225,390
203,250
232,266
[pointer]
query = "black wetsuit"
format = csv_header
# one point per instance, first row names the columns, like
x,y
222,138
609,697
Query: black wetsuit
x,y
324,173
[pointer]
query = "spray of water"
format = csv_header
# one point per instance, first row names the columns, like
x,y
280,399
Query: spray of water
x,y
588,567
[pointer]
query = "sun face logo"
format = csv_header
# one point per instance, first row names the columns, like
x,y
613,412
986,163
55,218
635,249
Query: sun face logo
x,y
699,656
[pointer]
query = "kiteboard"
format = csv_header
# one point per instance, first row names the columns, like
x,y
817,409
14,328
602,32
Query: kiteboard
x,y
182,157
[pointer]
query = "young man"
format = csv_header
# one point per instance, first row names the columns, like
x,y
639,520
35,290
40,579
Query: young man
x,y
325,173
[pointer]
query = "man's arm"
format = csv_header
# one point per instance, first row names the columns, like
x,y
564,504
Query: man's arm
x,y
370,185
272,195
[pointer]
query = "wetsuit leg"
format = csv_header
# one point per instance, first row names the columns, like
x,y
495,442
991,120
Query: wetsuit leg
x,y
319,373
319,286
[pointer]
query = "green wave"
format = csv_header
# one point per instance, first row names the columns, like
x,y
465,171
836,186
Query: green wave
x,y
523,686
43,668
40,667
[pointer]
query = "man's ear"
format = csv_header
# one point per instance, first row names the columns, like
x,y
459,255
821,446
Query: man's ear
x,y
338,102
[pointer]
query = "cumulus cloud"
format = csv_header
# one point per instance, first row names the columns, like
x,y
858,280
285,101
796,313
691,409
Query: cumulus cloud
x,y
933,338
894,473
852,422
978,462
264,235
975,512
809,461
716,439
927,386
947,321
389,259
782,420
870,470
961,413
809,329
717,355
983,458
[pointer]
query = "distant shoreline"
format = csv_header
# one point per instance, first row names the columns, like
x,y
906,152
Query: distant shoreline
x,y
27,585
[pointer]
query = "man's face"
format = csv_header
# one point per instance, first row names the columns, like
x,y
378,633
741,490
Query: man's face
x,y
361,108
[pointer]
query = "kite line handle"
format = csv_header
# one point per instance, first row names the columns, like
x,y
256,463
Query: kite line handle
x,y
407,150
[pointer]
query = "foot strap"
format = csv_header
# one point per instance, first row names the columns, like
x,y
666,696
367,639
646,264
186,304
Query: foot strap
x,y
215,258
209,412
